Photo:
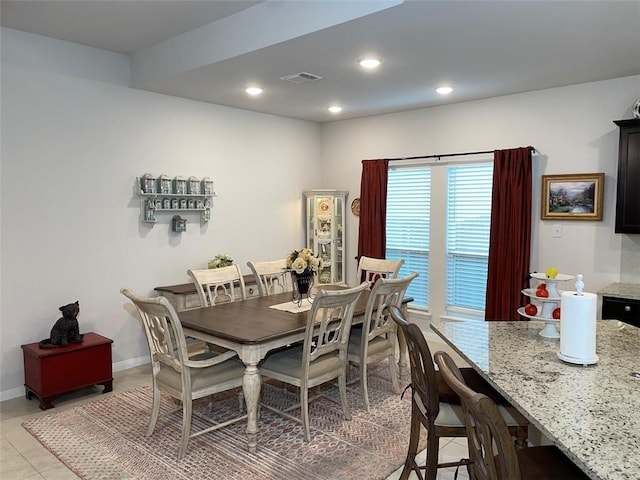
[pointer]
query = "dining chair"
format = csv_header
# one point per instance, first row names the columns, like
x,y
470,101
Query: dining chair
x,y
436,408
179,376
492,452
377,340
323,355
370,269
271,276
217,285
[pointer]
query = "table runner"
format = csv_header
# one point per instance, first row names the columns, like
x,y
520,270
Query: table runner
x,y
293,307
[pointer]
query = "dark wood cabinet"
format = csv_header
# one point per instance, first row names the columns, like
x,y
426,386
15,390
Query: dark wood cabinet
x,y
623,309
628,194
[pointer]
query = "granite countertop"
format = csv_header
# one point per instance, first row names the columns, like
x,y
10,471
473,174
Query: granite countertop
x,y
630,291
590,413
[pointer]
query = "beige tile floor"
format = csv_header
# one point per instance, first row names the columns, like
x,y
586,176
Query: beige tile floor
x,y
22,457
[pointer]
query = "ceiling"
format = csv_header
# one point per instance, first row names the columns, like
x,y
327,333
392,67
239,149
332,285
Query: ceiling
x,y
211,50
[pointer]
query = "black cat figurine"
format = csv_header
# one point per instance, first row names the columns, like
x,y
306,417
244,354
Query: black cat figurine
x,y
66,329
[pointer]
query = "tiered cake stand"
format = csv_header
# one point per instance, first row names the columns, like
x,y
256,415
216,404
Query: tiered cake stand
x,y
549,304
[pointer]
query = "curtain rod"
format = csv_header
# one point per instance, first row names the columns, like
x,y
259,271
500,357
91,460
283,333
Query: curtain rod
x,y
442,155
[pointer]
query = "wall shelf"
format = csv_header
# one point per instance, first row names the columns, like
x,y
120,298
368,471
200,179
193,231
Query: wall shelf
x,y
155,203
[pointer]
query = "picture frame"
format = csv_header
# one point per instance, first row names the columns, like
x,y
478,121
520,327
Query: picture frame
x,y
572,197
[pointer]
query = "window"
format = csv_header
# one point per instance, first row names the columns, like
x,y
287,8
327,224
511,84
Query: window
x,y
451,244
408,205
468,227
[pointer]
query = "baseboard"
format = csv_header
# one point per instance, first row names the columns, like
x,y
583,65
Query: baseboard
x,y
12,393
132,362
116,367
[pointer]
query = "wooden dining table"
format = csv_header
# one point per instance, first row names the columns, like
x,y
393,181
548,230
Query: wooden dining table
x,y
253,329
591,413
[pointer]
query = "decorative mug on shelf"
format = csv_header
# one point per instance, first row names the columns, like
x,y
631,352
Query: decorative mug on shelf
x,y
179,186
148,183
193,186
165,184
207,186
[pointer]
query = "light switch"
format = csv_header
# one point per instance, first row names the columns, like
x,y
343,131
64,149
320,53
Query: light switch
x,y
557,231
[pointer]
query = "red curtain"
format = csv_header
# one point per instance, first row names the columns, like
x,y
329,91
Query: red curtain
x,y
510,238
373,208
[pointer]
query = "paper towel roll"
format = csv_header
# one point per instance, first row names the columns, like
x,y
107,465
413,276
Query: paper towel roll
x,y
578,327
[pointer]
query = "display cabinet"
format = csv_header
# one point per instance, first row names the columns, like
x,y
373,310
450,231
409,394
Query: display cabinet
x,y
325,217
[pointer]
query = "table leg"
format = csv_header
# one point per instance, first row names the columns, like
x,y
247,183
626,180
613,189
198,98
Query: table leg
x,y
402,347
402,360
251,383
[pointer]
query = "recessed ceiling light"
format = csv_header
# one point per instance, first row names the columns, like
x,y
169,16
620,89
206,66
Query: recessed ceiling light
x,y
253,90
335,109
370,62
444,90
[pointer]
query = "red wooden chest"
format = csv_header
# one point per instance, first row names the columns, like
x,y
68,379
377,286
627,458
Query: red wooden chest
x,y
51,372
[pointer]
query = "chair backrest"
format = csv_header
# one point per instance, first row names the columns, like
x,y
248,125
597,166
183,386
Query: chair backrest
x,y
163,330
377,319
370,269
423,372
217,285
491,448
272,276
329,323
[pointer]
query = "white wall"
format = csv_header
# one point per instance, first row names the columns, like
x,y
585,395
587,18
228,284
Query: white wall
x,y
572,129
74,137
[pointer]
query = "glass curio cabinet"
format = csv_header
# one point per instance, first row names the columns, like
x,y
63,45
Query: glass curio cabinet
x,y
325,232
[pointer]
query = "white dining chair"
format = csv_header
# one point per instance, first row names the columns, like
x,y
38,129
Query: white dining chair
x,y
377,340
179,376
271,276
323,355
370,269
218,285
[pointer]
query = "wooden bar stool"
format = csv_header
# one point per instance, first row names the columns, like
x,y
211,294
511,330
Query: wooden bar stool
x,y
491,449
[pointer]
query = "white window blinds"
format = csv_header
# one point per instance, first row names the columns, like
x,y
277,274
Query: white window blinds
x,y
408,207
468,226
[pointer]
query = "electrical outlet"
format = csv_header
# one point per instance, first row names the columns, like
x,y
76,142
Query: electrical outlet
x,y
557,231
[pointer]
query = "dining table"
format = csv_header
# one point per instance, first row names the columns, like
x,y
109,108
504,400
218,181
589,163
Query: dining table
x,y
256,326
590,412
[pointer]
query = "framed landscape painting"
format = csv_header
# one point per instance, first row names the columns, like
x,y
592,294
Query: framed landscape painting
x,y
572,197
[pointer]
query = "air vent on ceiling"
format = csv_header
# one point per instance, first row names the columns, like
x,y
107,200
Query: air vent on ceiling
x,y
302,77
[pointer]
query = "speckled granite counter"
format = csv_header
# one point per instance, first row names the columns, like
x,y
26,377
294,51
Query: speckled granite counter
x,y
621,290
591,413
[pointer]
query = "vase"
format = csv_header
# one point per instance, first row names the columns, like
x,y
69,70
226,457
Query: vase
x,y
303,282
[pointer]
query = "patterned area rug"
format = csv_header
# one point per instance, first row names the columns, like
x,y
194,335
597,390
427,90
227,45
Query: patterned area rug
x,y
106,438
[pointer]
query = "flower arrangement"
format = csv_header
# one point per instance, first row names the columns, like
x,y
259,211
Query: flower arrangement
x,y
220,261
303,261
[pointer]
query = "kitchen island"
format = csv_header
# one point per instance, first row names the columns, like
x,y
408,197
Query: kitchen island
x,y
590,413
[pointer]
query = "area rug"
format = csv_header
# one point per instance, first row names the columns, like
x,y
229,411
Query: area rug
x,y
106,438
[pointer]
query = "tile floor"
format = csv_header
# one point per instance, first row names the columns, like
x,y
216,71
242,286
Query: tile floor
x,y
22,457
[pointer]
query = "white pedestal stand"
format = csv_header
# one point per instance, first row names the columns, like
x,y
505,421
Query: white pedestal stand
x,y
549,304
